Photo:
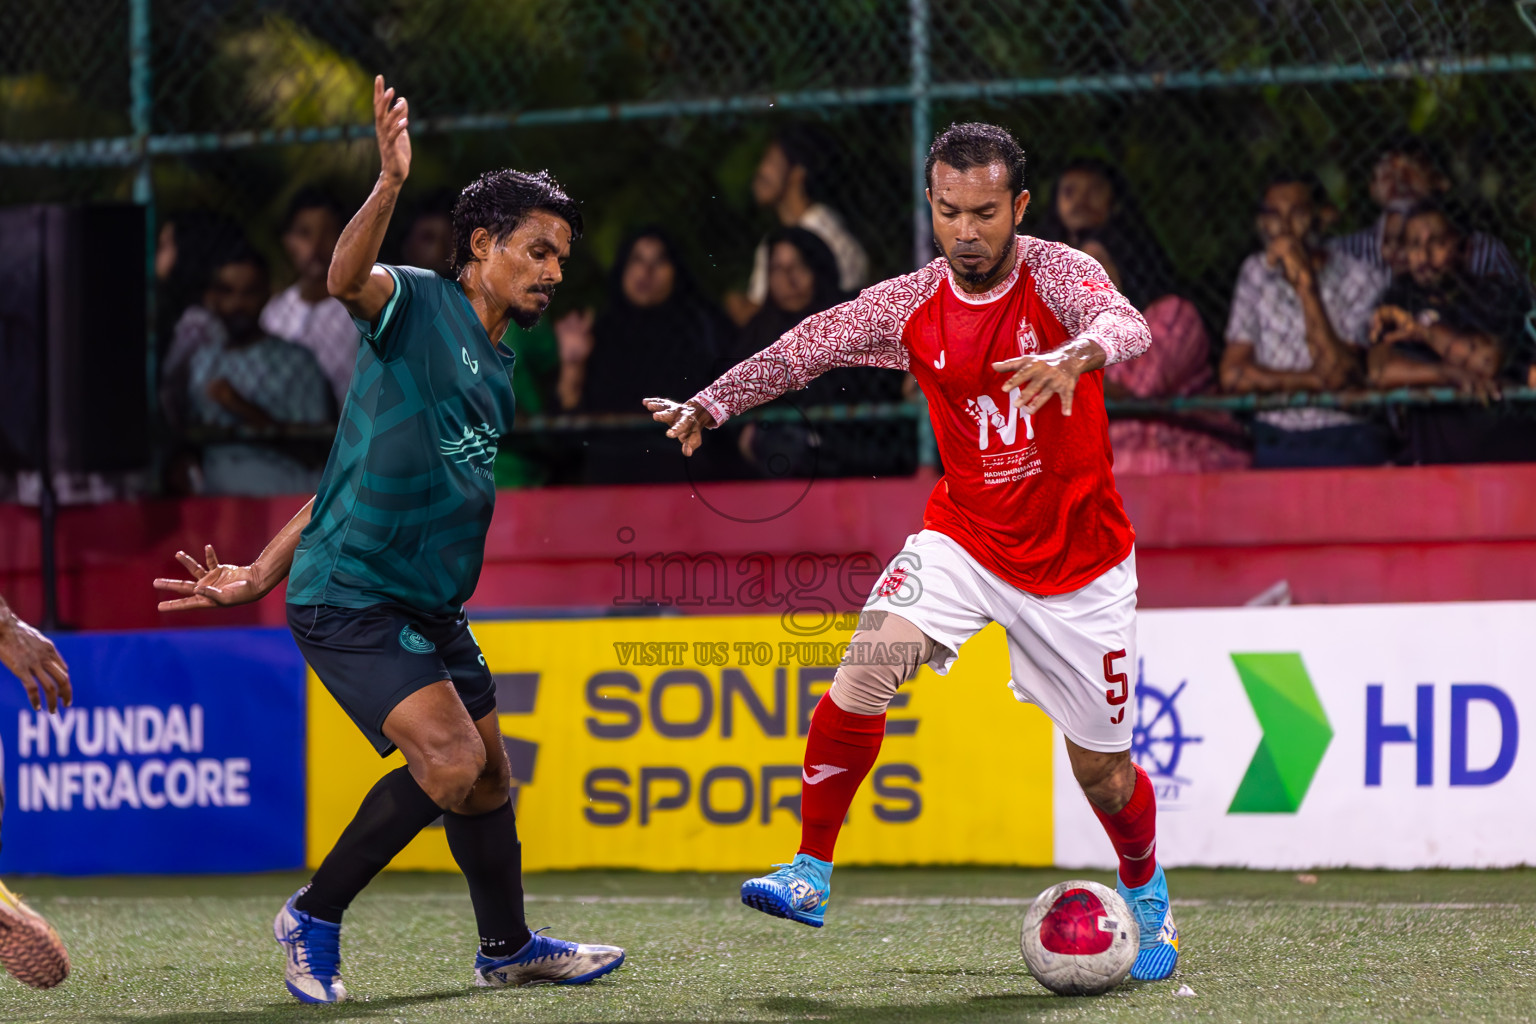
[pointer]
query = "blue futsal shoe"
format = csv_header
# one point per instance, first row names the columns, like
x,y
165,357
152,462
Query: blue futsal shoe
x,y
1159,952
546,961
796,892
312,949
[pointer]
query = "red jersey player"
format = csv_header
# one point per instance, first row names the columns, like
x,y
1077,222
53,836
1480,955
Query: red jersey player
x,y
1025,529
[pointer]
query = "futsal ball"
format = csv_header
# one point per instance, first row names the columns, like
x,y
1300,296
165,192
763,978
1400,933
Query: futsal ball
x,y
1079,938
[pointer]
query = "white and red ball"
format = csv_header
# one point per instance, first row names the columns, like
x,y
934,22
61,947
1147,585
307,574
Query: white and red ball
x,y
1079,938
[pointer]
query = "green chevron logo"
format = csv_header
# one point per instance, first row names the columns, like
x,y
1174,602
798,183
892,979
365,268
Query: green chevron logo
x,y
1296,734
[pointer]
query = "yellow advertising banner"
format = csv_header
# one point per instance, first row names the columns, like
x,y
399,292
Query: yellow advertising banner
x,y
676,744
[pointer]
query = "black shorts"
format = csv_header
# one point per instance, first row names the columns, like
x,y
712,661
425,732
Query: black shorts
x,y
371,659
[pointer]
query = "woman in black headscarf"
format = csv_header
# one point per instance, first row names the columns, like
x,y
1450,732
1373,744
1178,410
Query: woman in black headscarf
x,y
802,281
657,336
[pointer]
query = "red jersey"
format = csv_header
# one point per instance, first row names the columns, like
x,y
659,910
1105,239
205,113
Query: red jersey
x,y
1031,498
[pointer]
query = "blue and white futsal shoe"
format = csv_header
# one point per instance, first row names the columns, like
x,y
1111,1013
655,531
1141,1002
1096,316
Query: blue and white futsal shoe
x,y
1159,935
312,949
797,892
546,961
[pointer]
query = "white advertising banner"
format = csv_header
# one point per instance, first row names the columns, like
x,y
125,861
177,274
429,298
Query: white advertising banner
x,y
1377,736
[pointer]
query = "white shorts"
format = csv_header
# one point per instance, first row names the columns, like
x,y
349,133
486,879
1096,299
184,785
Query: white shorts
x,y
1070,654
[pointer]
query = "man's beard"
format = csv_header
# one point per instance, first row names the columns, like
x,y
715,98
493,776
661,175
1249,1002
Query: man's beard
x,y
528,318
978,276
241,327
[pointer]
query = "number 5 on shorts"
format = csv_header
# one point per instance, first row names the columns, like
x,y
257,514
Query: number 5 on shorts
x,y
1114,699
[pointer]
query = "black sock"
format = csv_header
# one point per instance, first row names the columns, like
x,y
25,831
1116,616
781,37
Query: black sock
x,y
487,851
390,816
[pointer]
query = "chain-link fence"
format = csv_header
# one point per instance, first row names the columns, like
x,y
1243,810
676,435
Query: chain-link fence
x,y
658,112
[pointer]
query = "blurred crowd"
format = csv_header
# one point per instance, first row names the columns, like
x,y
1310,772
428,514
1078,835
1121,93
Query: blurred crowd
x,y
252,379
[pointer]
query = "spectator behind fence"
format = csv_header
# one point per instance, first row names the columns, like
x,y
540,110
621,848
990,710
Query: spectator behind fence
x,y
789,180
428,239
1299,322
1178,364
1090,196
657,336
304,313
252,379
1406,174
803,279
188,245
1440,324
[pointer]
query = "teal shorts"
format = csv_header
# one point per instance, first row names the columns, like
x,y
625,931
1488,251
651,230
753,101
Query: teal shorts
x,y
371,659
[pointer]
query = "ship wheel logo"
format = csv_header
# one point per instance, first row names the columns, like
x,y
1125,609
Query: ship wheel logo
x,y
1158,738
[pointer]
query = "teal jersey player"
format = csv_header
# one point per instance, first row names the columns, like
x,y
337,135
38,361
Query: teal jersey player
x,y
382,559
403,508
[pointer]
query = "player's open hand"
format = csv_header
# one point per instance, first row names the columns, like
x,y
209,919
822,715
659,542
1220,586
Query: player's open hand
x,y
35,661
1039,377
390,121
212,586
685,421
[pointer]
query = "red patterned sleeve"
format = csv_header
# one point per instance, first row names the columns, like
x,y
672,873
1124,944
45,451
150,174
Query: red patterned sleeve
x,y
1086,302
864,332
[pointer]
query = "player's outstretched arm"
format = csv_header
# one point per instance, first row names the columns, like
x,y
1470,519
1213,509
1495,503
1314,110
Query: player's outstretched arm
x,y
863,332
35,661
216,585
362,287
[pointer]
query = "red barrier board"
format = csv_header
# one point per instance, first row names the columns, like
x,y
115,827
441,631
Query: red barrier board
x,y
1453,533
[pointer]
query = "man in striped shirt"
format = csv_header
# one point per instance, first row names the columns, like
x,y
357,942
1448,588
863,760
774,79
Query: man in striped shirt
x,y
1405,175
1299,322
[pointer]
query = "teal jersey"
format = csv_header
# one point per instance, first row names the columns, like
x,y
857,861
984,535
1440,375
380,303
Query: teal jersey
x,y
407,495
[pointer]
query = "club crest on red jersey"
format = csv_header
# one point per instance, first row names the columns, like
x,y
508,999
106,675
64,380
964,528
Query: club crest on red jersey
x,y
1029,341
893,582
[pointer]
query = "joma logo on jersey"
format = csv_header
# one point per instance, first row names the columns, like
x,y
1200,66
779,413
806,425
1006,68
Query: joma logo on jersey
x,y
475,445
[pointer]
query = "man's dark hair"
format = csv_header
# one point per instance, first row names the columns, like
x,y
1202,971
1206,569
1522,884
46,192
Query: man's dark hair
x,y
238,252
964,146
311,198
1455,218
1416,148
500,201
1306,179
808,147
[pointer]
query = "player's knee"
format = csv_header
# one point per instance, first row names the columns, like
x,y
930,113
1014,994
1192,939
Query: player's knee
x,y
495,777
449,774
490,790
497,773
1107,779
865,689
877,663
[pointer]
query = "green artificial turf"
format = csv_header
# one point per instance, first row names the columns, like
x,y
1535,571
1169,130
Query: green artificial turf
x,y
900,946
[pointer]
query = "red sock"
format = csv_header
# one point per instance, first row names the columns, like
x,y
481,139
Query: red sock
x,y
1133,831
839,752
